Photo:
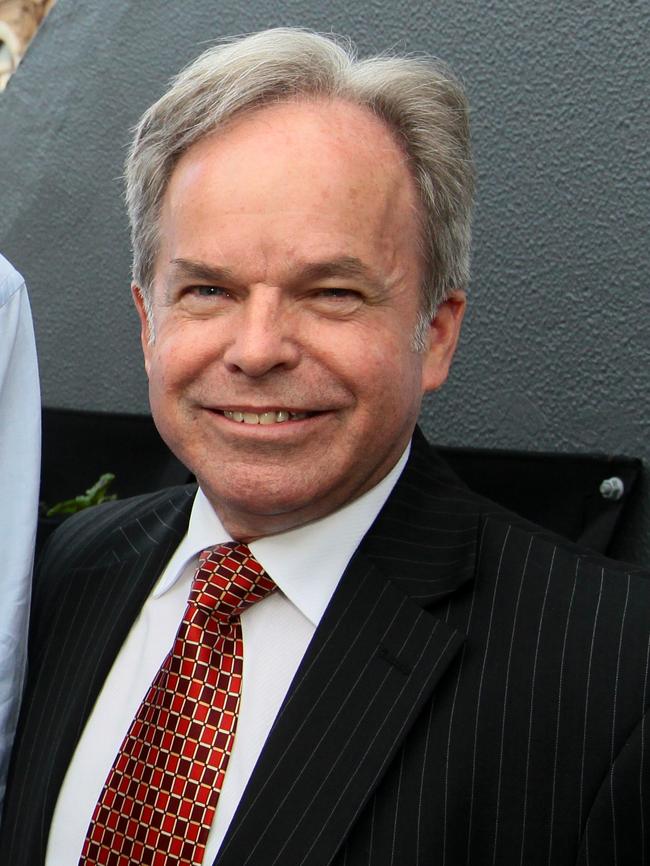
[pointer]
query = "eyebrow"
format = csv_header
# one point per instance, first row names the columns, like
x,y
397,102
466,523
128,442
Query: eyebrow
x,y
342,266
201,271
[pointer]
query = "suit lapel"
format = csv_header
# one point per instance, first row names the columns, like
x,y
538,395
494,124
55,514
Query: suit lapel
x,y
373,663
99,595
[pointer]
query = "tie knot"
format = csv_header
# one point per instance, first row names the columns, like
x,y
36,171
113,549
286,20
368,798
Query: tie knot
x,y
228,580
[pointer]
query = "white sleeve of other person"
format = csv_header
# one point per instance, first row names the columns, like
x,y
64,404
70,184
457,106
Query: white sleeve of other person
x,y
20,445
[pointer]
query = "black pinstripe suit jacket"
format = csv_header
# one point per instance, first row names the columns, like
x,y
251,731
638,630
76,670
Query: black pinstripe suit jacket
x,y
475,694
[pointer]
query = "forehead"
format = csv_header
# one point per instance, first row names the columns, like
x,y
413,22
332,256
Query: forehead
x,y
331,131
309,172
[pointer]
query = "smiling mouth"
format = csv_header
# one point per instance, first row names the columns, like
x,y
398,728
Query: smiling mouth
x,y
275,417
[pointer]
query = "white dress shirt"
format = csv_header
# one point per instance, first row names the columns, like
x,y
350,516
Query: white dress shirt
x,y
306,564
20,457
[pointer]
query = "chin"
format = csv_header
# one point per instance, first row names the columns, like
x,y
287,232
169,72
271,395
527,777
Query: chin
x,y
260,495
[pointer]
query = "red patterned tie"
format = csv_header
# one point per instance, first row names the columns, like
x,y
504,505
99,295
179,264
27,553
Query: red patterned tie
x,y
161,794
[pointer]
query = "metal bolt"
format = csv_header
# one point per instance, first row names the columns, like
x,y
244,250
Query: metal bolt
x,y
612,488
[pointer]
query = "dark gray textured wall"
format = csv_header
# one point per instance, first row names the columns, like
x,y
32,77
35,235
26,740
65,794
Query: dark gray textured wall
x,y
555,354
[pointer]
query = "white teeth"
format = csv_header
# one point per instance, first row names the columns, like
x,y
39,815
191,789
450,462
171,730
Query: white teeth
x,y
265,417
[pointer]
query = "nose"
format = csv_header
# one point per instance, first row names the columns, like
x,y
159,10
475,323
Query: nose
x,y
263,338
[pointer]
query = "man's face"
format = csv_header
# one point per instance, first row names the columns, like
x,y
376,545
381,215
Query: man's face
x,y
285,299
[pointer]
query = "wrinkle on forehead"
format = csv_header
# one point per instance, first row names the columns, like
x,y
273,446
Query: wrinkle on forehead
x,y
321,168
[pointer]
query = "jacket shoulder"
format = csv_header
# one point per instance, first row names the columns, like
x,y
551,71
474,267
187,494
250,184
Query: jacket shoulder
x,y
86,534
432,491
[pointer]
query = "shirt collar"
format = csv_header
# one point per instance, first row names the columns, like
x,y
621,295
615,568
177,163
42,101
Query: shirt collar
x,y
306,563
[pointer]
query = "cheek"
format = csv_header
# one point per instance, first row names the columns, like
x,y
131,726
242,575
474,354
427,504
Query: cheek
x,y
378,350
177,358
393,366
166,382
401,387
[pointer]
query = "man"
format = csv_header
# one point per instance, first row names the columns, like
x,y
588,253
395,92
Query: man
x,y
433,681
20,444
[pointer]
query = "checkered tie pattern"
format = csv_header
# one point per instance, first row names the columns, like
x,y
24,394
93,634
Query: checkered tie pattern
x,y
161,794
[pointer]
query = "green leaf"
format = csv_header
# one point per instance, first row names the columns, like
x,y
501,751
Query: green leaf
x,y
95,495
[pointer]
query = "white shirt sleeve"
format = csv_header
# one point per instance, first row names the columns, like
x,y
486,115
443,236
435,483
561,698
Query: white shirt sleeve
x,y
20,449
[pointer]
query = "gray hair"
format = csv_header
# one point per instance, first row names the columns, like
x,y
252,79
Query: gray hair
x,y
418,98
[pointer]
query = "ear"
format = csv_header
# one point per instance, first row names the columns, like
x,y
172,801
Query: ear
x,y
444,331
145,324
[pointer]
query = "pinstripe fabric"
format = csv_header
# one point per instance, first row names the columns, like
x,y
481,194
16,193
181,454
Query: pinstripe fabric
x,y
475,694
107,561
